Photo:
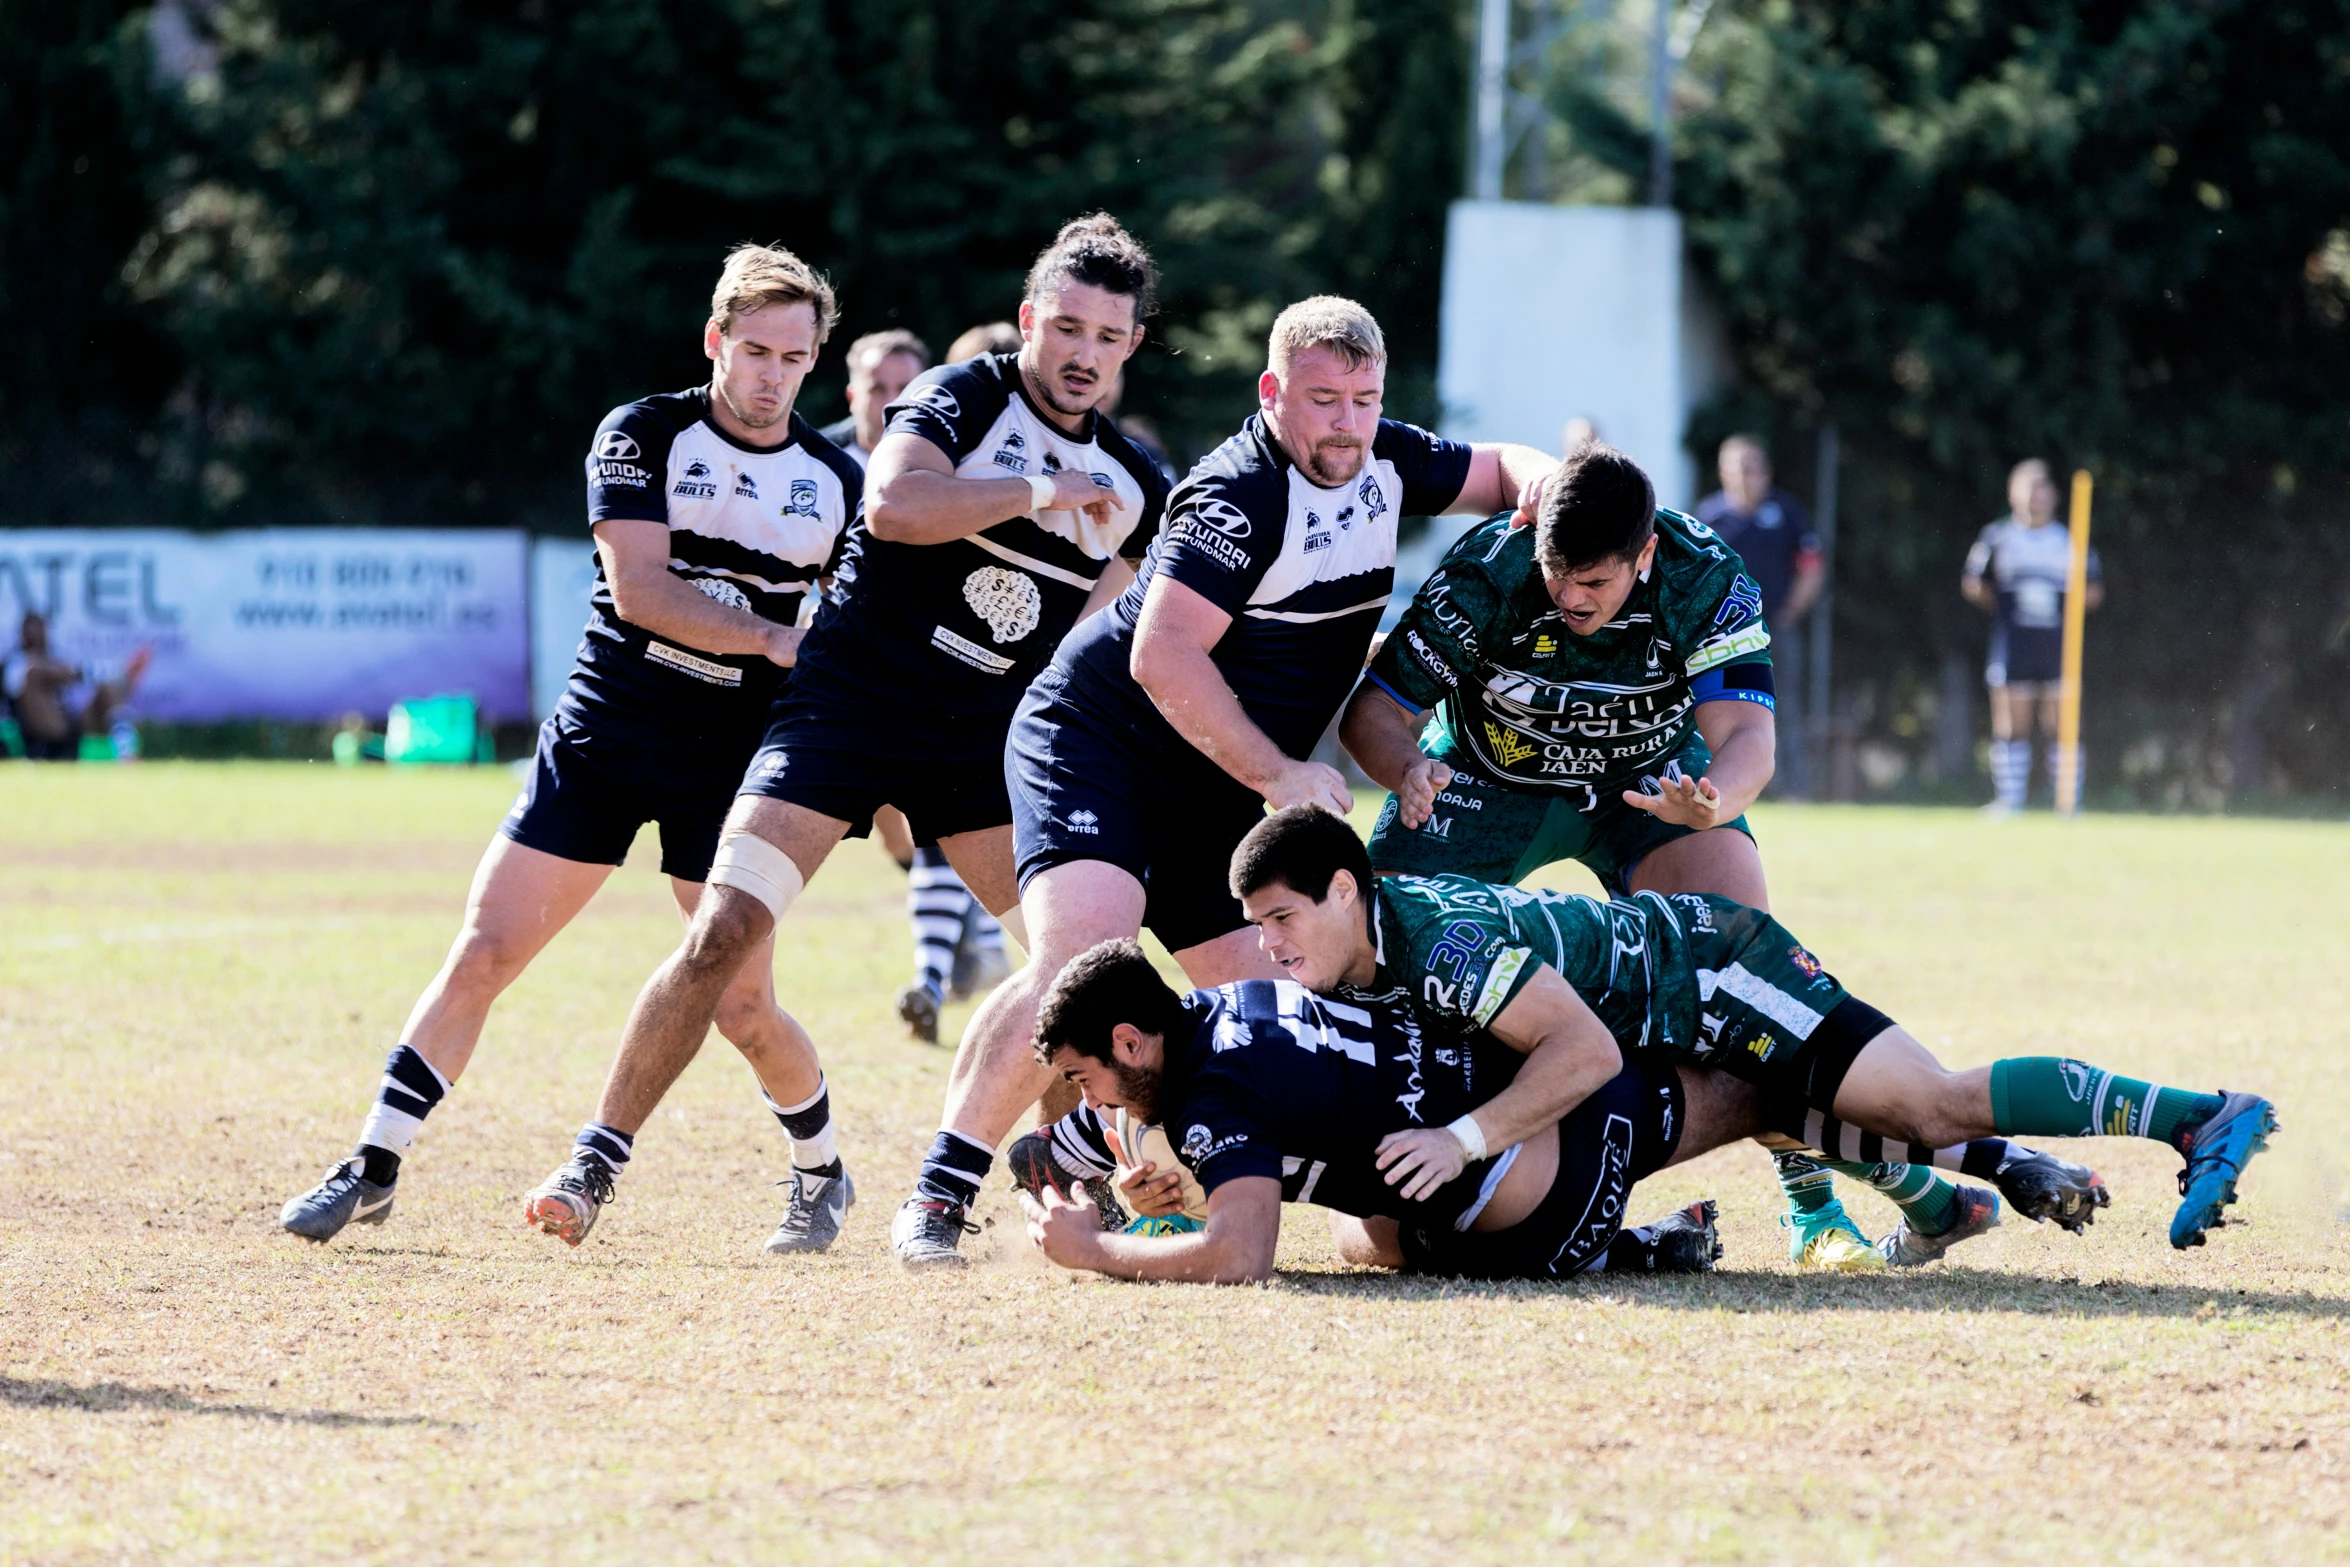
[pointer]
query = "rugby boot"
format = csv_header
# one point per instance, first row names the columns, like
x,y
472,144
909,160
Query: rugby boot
x,y
1978,1211
1829,1241
1034,1167
926,1233
565,1204
918,1010
343,1196
2041,1186
2217,1152
813,1213
1684,1241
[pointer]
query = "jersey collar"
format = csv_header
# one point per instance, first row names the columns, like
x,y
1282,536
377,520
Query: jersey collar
x,y
796,429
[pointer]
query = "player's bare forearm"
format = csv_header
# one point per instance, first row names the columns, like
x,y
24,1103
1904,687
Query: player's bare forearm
x,y
1186,686
921,505
1381,737
1744,738
635,554
1570,1055
1504,477
1235,1247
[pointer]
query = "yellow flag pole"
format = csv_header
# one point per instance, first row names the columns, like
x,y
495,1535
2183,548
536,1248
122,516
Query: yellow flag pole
x,y
2076,614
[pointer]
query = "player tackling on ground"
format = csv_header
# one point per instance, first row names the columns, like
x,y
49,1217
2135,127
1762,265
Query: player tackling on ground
x,y
714,511
1164,726
999,509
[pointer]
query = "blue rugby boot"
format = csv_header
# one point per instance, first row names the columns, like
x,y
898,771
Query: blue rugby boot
x,y
1905,1247
2217,1152
343,1196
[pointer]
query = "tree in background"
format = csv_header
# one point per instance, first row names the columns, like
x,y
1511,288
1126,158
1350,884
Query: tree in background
x,y
2117,235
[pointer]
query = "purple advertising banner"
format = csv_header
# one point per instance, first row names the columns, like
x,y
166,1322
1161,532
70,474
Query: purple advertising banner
x,y
284,623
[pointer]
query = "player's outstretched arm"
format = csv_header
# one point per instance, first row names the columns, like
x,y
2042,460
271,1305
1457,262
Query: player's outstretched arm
x,y
1504,477
1173,639
1744,738
635,553
1569,1055
1384,739
913,495
1236,1247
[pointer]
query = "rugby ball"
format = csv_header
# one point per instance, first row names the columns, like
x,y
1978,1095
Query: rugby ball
x,y
1136,1144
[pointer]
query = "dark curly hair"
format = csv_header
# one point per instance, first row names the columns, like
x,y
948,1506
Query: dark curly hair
x,y
1096,249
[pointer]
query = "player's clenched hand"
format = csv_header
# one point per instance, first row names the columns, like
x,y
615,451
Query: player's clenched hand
x,y
1684,801
1076,490
1150,1194
1063,1231
1421,1159
1309,783
783,645
1421,782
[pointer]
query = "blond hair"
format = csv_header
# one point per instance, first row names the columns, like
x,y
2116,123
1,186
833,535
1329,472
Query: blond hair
x,y
756,276
874,347
1326,321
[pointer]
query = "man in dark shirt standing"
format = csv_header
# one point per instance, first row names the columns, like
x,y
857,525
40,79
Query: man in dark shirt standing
x,y
1771,532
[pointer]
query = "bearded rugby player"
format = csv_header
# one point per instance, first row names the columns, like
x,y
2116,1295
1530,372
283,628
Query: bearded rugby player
x,y
714,512
1000,508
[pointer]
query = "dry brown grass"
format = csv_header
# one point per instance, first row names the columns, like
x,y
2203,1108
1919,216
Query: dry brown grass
x,y
201,968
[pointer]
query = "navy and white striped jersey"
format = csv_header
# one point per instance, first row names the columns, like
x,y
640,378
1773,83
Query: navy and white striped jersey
x,y
2029,568
752,527
963,627
1274,1080
1304,572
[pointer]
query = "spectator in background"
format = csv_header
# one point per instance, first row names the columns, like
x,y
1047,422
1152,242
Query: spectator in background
x,y
991,337
879,365
2018,571
41,691
1772,533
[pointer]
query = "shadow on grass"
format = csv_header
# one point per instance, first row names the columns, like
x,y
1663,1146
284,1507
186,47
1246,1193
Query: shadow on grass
x,y
1946,1290
107,1398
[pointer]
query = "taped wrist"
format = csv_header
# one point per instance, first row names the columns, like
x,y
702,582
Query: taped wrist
x,y
749,863
1472,1138
1040,491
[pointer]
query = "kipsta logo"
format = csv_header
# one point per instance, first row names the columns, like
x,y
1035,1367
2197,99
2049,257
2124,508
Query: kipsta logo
x,y
615,446
1222,516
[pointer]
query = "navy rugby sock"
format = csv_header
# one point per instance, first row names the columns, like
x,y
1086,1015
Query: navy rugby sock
x,y
410,1087
606,1143
809,1126
953,1169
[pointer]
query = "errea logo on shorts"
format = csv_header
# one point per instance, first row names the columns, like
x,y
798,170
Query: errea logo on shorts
x,y
1084,821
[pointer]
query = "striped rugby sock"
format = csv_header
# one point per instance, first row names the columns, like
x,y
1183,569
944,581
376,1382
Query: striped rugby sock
x,y
1842,1141
607,1143
809,1126
410,1087
937,903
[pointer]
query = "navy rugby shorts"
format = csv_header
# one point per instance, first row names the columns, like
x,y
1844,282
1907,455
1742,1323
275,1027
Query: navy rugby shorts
x,y
1622,1134
588,793
841,754
1088,788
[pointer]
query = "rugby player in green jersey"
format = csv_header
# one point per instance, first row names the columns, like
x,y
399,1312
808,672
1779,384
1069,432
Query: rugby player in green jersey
x,y
1701,980
1598,688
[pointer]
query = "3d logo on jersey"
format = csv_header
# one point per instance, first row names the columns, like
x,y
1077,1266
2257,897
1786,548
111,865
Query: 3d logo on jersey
x,y
696,483
803,499
1006,600
1374,502
616,446
722,591
1743,602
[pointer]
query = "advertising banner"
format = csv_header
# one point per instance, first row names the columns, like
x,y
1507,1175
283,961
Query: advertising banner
x,y
299,624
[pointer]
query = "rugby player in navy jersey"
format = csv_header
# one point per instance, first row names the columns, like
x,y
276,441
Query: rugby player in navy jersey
x,y
999,509
714,511
1270,1094
1164,726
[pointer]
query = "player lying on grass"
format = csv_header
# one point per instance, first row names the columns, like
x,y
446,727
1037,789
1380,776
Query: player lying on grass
x,y
1596,687
1272,1094
1704,981
715,512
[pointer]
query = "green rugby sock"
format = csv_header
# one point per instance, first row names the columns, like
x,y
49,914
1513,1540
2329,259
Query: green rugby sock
x,y
1806,1181
2053,1096
1929,1202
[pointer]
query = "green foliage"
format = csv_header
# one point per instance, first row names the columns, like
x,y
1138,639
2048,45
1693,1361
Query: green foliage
x,y
410,253
2117,235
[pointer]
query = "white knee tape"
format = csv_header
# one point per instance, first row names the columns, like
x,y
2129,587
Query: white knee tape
x,y
749,863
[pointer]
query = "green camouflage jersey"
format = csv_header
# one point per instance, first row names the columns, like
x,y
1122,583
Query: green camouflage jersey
x,y
1688,977
1539,707
1460,950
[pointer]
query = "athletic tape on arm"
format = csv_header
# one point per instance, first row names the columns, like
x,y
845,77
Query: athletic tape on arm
x,y
749,863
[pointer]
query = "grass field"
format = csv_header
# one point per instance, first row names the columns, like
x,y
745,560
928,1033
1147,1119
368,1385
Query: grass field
x,y
201,969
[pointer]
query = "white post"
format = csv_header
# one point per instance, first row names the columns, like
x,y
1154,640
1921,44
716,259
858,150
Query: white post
x,y
1493,62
